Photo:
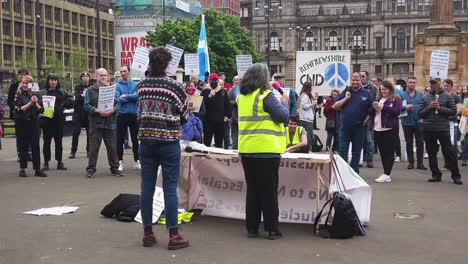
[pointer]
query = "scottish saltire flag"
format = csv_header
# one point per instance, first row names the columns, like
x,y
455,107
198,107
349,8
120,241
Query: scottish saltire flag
x,y
203,56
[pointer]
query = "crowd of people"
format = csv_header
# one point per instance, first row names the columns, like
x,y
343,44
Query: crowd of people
x,y
362,119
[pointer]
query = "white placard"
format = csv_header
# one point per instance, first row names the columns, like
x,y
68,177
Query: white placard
x,y
141,59
191,63
48,103
243,63
34,87
324,69
278,95
158,206
176,56
439,64
106,98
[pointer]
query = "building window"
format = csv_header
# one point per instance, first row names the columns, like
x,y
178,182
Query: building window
x,y
104,26
7,52
314,12
309,41
90,23
275,69
400,68
401,6
6,7
66,38
328,12
423,6
66,17
333,41
363,10
29,32
378,8
58,37
357,39
401,40
351,10
338,11
82,21
18,29
90,43
457,6
28,8
7,27
111,47
58,15
18,53
274,42
66,59
48,13
49,35
378,69
379,44
83,41
75,39
17,6
74,19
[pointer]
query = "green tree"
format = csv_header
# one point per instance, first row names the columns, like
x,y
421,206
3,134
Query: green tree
x,y
226,39
28,62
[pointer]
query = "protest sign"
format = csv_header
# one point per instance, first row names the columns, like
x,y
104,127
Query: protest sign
x,y
34,87
49,104
106,98
191,63
324,69
176,56
243,63
195,101
158,206
278,95
439,64
141,59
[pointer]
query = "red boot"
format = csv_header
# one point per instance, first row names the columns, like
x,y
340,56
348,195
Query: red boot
x,y
148,237
176,241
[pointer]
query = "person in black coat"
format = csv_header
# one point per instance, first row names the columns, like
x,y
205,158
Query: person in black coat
x,y
28,107
80,117
52,127
11,98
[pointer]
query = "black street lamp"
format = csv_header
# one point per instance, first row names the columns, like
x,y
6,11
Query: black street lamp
x,y
356,49
269,6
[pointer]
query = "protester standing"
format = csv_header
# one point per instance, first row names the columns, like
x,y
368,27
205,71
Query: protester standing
x,y
261,143
369,137
52,127
465,143
412,124
280,78
383,117
233,93
354,103
159,94
28,107
102,126
454,120
330,123
436,108
307,112
11,98
80,117
125,90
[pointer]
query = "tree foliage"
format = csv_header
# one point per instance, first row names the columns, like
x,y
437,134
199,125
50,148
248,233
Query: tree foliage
x,y
226,39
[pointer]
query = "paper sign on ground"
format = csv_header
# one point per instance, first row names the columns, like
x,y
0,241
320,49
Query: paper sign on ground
x,y
191,63
195,101
141,59
243,63
49,103
53,210
106,98
278,95
176,56
158,206
439,64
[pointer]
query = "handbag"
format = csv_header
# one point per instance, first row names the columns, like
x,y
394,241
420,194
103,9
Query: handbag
x,y
329,124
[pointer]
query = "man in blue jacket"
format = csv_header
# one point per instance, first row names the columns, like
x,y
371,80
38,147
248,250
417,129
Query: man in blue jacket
x,y
127,115
279,77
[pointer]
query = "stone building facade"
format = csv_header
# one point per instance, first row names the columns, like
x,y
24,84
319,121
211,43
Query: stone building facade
x,y
380,33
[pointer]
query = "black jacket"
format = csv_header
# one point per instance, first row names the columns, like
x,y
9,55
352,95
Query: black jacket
x,y
217,107
437,122
79,114
11,98
62,101
31,113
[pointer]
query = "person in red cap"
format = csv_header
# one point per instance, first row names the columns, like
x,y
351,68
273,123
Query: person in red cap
x,y
217,111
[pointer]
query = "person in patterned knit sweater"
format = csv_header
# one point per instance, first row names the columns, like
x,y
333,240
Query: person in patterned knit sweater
x,y
162,109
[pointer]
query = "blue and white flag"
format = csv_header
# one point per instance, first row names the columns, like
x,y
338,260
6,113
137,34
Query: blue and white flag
x,y
203,56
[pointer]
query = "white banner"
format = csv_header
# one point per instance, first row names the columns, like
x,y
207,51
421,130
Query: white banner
x,y
218,186
439,64
243,62
106,98
141,59
324,69
176,56
126,42
191,63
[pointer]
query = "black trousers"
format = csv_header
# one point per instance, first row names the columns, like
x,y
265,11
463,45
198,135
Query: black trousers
x,y
431,137
213,129
414,132
261,176
52,129
125,122
386,141
76,135
397,145
27,138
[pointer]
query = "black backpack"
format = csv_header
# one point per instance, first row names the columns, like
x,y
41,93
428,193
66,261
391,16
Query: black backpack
x,y
124,207
345,222
317,144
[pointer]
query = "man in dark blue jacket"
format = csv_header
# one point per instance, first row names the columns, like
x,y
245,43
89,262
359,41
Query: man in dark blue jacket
x,y
127,115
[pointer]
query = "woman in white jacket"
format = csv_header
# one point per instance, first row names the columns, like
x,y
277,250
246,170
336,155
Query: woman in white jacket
x,y
306,112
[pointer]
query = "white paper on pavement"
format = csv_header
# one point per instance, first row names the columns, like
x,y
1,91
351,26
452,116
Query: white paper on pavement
x,y
439,64
158,205
191,63
106,98
243,63
141,59
53,210
176,56
278,95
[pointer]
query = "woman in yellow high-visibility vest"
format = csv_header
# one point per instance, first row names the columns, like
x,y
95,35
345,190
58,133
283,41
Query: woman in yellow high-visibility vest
x,y
296,137
261,142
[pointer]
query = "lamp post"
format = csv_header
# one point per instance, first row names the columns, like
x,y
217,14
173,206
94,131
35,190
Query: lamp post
x,y
356,50
268,6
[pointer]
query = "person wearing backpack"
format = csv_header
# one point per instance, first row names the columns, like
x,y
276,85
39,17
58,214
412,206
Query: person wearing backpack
x,y
307,112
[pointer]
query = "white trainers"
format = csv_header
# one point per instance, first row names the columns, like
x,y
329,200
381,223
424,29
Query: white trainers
x,y
383,178
426,156
137,165
397,159
120,165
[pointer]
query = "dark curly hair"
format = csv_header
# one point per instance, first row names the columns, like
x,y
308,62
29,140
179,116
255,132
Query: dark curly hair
x,y
52,76
159,59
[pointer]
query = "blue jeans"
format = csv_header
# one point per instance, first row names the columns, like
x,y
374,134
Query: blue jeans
x,y
151,157
369,145
234,134
354,135
226,138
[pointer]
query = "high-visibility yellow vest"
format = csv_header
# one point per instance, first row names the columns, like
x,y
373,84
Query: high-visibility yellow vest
x,y
296,139
258,133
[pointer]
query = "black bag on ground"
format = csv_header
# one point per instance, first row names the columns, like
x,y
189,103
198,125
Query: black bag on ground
x,y
124,207
317,144
345,221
